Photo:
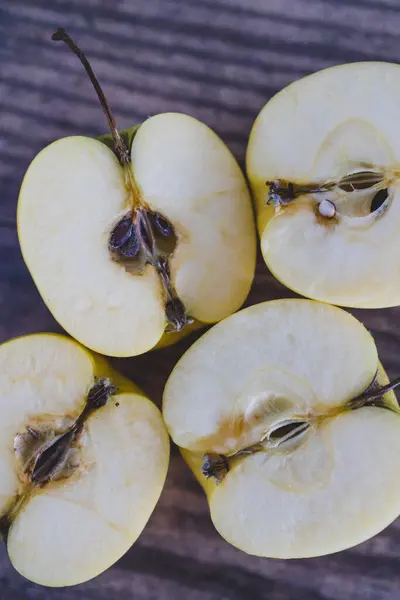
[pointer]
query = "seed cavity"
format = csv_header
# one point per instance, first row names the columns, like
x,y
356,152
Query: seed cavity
x,y
45,456
217,466
284,434
121,233
145,237
52,458
379,199
281,193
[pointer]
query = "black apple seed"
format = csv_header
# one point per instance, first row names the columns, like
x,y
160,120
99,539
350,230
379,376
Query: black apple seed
x,y
121,233
131,247
163,226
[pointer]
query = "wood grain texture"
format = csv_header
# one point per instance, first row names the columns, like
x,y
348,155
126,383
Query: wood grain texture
x,y
219,60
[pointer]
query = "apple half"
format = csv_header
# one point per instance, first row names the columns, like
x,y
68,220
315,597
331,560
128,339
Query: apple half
x,y
323,163
286,418
155,234
83,459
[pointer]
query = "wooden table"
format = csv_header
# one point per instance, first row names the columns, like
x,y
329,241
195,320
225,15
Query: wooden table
x,y
219,60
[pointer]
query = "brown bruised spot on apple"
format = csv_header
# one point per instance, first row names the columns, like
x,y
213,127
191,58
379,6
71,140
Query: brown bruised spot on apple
x,y
141,236
148,238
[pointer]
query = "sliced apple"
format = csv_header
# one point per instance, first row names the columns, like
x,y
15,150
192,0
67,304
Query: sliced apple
x,y
283,413
322,161
125,244
83,459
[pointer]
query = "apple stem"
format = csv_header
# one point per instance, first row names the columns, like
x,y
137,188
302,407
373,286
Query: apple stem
x,y
375,394
98,396
121,150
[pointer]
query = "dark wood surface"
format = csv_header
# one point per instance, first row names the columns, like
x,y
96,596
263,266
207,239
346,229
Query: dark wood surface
x,y
219,60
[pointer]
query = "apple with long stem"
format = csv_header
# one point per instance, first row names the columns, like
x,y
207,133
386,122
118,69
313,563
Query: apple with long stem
x,y
147,237
83,459
287,419
323,163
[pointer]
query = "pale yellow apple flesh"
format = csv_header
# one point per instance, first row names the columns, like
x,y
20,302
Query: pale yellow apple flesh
x,y
71,529
274,363
330,124
72,196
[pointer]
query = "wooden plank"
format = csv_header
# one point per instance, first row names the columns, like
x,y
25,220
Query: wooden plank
x,y
219,60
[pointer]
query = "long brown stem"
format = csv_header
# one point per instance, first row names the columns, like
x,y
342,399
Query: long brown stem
x,y
120,148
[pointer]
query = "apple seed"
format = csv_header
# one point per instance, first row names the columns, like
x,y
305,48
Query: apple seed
x,y
121,233
285,431
46,458
360,180
327,209
217,466
379,199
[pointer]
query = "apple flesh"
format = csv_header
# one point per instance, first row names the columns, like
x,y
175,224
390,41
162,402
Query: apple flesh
x,y
78,480
152,236
324,153
280,413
